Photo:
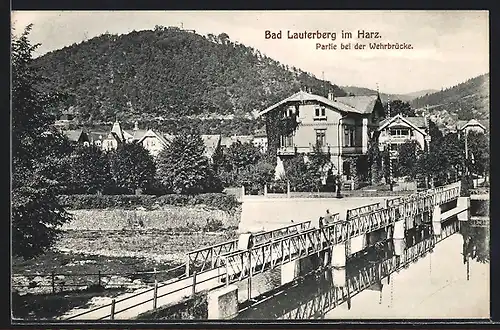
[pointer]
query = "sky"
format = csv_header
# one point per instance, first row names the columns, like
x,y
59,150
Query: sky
x,y
449,47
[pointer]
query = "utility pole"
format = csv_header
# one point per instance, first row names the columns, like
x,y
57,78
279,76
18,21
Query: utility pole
x,y
389,149
323,77
466,153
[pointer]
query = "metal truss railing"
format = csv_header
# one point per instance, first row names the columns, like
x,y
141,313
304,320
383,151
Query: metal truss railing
x,y
207,258
362,209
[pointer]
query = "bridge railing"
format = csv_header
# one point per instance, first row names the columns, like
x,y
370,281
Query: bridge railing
x,y
264,237
239,265
362,209
206,258
370,221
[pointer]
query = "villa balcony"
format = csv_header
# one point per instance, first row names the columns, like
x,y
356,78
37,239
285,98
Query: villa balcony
x,y
287,151
356,150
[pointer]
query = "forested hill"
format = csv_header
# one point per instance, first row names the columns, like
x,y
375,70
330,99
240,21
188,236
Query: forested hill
x,y
170,73
467,100
384,96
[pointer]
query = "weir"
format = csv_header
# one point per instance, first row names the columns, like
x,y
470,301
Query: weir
x,y
296,249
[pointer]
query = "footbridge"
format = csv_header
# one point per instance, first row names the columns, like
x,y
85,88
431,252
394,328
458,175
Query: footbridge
x,y
328,296
216,269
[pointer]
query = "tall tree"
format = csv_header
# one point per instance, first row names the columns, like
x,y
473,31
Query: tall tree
x,y
132,167
90,170
399,107
184,169
234,160
479,151
36,150
407,162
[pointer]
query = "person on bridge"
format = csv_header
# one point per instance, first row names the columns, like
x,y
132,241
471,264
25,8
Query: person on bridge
x,y
328,218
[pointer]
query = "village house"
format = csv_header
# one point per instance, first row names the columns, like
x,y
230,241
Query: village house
x,y
114,138
227,141
466,126
154,142
397,130
339,126
77,136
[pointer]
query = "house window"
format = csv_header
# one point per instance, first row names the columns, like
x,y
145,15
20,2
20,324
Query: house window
x,y
400,132
287,141
320,137
289,112
319,113
349,134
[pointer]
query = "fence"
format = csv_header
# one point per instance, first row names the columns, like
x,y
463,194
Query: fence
x,y
67,282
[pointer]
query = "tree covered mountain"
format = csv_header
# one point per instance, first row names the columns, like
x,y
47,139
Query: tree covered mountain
x,y
169,73
355,90
465,101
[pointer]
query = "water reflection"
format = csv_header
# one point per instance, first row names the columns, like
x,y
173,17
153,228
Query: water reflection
x,y
476,242
316,295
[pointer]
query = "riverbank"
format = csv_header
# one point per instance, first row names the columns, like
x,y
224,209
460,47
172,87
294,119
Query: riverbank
x,y
92,265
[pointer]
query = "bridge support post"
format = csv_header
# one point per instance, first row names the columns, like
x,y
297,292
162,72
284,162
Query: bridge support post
x,y
299,267
338,262
324,258
398,237
223,303
436,220
290,271
464,203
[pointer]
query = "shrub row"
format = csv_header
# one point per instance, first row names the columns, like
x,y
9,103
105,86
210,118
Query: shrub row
x,y
219,201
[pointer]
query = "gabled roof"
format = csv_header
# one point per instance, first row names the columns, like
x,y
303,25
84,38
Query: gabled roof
x,y
134,135
127,135
118,131
138,134
417,124
462,124
114,136
74,135
211,142
97,135
363,101
164,139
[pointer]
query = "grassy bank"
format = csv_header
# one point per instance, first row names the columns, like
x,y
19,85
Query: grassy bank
x,y
172,218
155,245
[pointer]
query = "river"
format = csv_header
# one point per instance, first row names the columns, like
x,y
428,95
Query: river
x,y
441,283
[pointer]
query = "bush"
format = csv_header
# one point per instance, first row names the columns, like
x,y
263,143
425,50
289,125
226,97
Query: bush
x,y
220,201
213,225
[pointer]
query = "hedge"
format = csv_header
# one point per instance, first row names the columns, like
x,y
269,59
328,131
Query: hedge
x,y
219,201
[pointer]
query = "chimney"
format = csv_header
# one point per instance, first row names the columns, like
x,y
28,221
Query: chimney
x,y
136,126
330,96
